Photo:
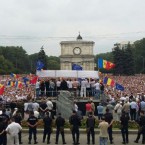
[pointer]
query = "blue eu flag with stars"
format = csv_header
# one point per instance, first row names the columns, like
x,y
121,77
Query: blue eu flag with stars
x,y
39,65
119,87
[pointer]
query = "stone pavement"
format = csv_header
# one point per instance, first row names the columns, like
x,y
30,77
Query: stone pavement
x,y
83,139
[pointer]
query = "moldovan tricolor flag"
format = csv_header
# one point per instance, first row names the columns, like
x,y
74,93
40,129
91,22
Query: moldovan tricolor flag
x,y
105,64
11,83
14,75
109,82
34,80
2,88
18,84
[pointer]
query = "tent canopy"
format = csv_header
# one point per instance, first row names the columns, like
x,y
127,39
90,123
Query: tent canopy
x,y
67,74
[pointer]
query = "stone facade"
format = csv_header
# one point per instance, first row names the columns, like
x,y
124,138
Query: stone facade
x,y
77,52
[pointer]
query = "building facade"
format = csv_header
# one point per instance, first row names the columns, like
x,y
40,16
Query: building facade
x,y
77,52
123,45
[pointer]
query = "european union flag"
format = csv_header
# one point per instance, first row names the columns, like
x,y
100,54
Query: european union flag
x,y
76,67
39,65
119,87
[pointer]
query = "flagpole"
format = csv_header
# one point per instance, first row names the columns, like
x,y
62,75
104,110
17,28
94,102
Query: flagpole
x,y
98,68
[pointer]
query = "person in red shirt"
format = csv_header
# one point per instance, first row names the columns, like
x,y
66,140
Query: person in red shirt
x,y
88,108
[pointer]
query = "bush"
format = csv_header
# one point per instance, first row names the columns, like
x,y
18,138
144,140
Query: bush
x,y
116,124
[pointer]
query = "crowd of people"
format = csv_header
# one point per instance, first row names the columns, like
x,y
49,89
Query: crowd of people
x,y
123,106
80,87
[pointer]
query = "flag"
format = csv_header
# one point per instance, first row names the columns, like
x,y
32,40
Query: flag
x,y
39,65
105,64
119,87
109,82
14,75
18,84
26,81
34,80
76,67
2,88
11,83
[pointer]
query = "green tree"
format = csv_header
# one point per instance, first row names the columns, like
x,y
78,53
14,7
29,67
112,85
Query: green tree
x,y
32,60
118,56
53,63
139,55
17,56
128,60
6,67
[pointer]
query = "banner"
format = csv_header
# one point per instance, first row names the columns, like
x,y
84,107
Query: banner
x,y
68,73
46,73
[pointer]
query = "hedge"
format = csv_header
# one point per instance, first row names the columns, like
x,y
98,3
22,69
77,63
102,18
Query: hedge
x,y
116,124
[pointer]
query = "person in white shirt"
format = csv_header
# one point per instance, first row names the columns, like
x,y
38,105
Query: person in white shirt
x,y
50,107
75,106
118,110
26,113
37,88
88,88
97,89
13,129
36,114
35,106
92,83
69,84
133,109
25,106
83,88
58,82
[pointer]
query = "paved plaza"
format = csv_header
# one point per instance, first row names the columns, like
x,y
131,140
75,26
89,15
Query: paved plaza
x,y
83,139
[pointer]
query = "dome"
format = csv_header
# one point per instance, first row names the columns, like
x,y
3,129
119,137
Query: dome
x,y
79,37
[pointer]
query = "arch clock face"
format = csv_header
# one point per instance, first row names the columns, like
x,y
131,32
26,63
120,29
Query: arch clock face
x,y
77,50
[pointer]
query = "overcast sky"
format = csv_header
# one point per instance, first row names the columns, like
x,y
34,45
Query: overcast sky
x,y
33,23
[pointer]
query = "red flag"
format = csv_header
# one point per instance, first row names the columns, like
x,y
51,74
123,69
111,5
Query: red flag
x,y
2,88
34,80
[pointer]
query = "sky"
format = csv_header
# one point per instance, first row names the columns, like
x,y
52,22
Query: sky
x,y
33,23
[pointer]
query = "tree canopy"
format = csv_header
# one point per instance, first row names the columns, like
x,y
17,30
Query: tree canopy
x,y
16,60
